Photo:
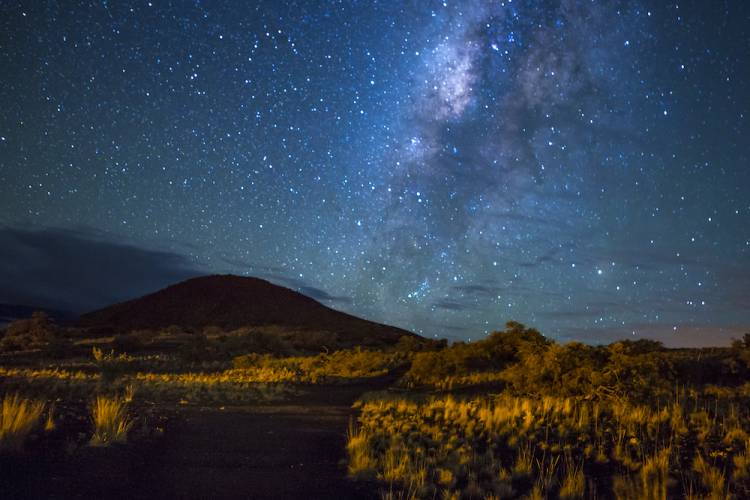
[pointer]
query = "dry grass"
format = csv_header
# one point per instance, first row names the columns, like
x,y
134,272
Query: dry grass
x,y
111,422
49,422
18,419
361,463
256,377
573,484
544,447
712,477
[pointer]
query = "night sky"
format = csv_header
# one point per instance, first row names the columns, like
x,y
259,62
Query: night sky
x,y
582,167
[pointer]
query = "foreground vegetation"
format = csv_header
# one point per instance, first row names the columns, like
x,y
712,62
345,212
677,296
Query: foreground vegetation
x,y
22,417
111,422
628,420
18,419
515,415
506,447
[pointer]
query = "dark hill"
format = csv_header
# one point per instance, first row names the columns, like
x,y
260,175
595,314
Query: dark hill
x,y
231,302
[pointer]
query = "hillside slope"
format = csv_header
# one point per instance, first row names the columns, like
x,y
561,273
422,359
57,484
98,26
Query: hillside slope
x,y
231,302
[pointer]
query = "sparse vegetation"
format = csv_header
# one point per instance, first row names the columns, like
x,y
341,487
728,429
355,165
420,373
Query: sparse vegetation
x,y
625,420
254,378
111,421
336,366
18,419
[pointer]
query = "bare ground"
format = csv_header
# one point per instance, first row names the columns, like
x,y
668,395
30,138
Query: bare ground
x,y
290,451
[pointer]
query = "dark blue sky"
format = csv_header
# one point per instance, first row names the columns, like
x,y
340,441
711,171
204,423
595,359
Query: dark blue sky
x,y
442,166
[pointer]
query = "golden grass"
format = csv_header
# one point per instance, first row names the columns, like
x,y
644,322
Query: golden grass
x,y
18,418
712,477
741,463
49,422
655,475
257,378
45,373
542,447
361,463
573,484
111,422
338,365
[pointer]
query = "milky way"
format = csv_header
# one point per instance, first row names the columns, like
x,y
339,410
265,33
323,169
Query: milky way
x,y
442,166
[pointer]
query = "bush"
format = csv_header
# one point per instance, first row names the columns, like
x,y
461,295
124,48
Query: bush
x,y
410,343
340,365
445,368
33,333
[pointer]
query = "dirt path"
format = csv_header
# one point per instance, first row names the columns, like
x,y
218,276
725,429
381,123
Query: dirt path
x,y
294,450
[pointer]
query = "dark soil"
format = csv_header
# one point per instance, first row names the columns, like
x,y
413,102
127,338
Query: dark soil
x,y
290,451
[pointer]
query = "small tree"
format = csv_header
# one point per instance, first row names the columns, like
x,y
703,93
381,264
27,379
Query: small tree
x,y
32,333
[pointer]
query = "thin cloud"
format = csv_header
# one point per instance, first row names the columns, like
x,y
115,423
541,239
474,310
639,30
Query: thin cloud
x,y
81,269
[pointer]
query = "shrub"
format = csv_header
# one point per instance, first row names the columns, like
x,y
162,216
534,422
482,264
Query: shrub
x,y
33,333
410,343
341,365
461,362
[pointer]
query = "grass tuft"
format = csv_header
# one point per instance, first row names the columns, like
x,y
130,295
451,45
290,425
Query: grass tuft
x,y
111,423
361,463
49,422
19,417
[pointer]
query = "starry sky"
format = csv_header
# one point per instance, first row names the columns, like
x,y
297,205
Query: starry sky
x,y
579,166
